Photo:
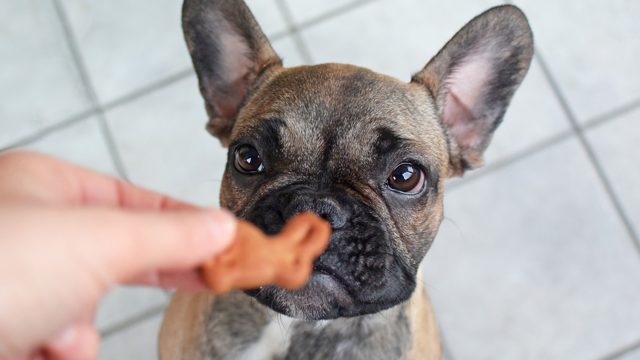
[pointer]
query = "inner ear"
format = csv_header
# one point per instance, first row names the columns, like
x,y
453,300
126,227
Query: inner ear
x,y
463,98
474,77
228,88
229,53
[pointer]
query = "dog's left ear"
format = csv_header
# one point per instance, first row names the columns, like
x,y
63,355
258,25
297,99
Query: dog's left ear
x,y
474,77
229,53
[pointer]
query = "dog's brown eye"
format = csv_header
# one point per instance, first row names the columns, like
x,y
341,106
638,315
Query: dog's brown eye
x,y
406,178
248,160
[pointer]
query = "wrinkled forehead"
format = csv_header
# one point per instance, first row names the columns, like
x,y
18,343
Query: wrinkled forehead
x,y
341,109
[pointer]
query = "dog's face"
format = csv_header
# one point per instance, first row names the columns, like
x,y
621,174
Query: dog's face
x,y
365,151
310,140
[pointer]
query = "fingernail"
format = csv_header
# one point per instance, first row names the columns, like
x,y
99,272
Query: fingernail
x,y
222,228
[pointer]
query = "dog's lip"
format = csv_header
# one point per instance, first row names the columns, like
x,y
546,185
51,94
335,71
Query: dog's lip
x,y
325,270
322,269
317,270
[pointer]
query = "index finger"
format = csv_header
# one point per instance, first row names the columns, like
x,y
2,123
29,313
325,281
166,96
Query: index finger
x,y
92,188
46,179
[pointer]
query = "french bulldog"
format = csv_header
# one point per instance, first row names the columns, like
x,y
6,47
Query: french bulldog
x,y
365,151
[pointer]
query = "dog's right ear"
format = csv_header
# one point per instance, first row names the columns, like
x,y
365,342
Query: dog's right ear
x,y
229,53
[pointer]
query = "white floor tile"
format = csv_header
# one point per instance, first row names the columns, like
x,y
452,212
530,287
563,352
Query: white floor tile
x,y
81,143
268,15
396,38
306,10
414,31
39,84
163,142
164,145
287,50
122,303
533,263
127,45
615,144
138,342
533,116
592,47
632,355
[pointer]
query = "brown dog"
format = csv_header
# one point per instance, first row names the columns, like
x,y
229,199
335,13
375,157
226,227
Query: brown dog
x,y
365,151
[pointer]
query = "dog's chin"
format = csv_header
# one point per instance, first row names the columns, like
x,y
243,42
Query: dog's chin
x,y
322,298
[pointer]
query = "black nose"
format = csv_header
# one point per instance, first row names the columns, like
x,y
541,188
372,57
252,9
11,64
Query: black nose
x,y
325,207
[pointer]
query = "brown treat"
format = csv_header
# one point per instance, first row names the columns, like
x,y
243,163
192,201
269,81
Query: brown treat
x,y
255,259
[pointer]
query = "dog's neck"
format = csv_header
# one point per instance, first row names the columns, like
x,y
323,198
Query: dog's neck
x,y
239,327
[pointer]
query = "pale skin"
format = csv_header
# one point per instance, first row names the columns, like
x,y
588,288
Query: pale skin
x,y
68,235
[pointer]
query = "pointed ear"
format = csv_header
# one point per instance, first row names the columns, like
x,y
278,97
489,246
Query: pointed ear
x,y
474,77
229,53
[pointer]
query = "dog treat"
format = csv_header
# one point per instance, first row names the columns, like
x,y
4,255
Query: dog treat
x,y
255,259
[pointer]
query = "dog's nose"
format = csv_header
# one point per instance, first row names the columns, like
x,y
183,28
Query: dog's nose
x,y
333,213
327,208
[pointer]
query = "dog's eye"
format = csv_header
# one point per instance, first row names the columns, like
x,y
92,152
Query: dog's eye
x,y
248,160
406,178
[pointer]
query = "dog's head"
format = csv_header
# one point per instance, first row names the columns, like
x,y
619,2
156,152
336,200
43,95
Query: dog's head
x,y
365,151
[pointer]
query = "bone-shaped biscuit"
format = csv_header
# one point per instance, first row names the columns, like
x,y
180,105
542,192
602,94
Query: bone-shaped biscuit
x,y
255,259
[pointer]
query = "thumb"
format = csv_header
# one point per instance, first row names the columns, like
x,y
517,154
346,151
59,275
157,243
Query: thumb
x,y
168,241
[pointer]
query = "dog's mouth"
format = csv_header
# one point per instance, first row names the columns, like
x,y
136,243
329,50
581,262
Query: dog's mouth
x,y
325,296
319,269
359,272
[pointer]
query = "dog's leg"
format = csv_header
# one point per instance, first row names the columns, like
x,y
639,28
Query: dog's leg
x,y
203,326
424,328
182,328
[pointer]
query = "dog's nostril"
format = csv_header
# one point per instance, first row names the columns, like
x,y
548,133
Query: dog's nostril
x,y
328,209
335,223
336,218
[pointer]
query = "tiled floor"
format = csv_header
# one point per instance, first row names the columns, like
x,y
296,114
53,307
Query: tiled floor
x,y
539,256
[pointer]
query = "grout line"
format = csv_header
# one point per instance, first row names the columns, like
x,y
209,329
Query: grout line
x,y
75,52
622,352
123,100
183,74
61,125
86,82
146,90
507,161
611,114
297,38
279,35
590,153
134,320
317,19
112,146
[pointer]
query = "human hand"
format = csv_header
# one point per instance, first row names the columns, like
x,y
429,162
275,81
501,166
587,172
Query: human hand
x,y
68,235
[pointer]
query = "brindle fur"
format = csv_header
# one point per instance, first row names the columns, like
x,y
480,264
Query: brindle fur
x,y
329,135
203,327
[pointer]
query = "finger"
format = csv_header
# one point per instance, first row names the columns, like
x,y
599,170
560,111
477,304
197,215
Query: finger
x,y
79,254
138,243
33,176
190,280
77,342
90,188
